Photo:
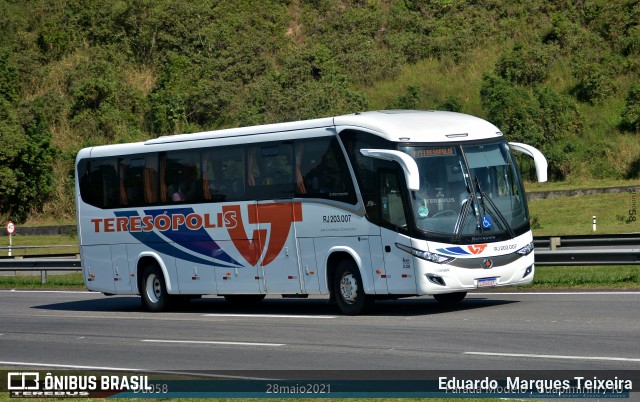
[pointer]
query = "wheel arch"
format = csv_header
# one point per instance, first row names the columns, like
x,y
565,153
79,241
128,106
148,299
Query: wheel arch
x,y
338,254
153,258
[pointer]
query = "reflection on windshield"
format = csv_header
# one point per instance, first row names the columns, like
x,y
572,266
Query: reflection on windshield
x,y
467,190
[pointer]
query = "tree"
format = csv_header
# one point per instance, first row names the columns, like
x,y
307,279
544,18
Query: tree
x,y
26,157
631,113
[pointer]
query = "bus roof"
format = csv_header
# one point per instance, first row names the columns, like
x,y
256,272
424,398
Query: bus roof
x,y
393,125
416,126
421,125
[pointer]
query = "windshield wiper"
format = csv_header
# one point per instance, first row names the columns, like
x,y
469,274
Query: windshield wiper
x,y
464,211
493,206
466,204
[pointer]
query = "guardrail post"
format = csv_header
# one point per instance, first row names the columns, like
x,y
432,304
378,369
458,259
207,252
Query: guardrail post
x,y
43,277
554,242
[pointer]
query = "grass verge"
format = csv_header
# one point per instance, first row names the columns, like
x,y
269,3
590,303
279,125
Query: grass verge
x,y
574,215
614,277
72,281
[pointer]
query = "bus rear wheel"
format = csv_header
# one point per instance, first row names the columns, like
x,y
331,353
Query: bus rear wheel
x,y
348,289
450,299
154,289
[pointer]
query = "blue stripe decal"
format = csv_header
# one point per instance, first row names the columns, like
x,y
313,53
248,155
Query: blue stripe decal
x,y
453,251
198,241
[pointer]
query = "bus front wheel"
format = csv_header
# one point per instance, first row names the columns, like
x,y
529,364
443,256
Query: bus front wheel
x,y
348,289
154,289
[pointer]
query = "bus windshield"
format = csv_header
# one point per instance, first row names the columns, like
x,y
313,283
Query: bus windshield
x,y
467,190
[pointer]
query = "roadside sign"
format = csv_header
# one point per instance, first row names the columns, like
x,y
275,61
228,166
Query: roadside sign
x,y
11,227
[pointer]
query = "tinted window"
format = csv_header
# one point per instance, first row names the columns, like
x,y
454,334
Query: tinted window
x,y
392,212
366,168
270,171
180,177
223,174
99,182
104,179
321,171
138,180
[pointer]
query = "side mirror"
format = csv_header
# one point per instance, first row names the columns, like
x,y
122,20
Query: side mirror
x,y
408,164
538,159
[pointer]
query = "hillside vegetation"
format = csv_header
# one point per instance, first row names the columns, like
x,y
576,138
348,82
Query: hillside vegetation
x,y
561,75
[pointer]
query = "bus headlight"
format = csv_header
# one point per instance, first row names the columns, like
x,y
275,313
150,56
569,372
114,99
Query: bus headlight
x,y
425,255
526,250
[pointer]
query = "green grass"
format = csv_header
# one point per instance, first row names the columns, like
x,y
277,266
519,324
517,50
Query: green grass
x,y
60,244
576,184
574,215
612,277
71,281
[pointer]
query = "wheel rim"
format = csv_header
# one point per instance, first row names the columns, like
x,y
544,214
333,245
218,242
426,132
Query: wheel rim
x,y
154,288
349,288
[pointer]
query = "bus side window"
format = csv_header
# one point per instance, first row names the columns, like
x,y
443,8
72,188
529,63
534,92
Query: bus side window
x,y
103,183
321,171
150,179
223,174
138,180
270,171
393,211
84,181
366,168
180,177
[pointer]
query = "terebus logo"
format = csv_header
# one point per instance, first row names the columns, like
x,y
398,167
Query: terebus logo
x,y
477,248
190,230
468,250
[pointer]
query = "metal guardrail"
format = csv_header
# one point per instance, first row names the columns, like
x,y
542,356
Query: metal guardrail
x,y
587,257
615,240
44,265
41,264
618,249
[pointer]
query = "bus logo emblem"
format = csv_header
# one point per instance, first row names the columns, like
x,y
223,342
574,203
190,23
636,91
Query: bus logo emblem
x,y
487,263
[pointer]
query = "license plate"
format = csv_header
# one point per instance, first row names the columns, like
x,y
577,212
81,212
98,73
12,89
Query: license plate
x,y
487,282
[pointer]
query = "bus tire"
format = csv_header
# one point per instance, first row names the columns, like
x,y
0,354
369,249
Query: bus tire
x,y
450,299
154,289
348,289
244,300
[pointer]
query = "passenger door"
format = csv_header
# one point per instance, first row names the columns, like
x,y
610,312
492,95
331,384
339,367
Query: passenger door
x,y
279,255
398,264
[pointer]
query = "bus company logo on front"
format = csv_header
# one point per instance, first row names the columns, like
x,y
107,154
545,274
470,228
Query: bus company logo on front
x,y
473,249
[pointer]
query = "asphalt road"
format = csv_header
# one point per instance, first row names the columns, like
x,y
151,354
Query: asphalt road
x,y
488,331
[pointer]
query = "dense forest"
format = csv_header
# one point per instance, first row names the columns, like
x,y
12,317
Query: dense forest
x,y
560,75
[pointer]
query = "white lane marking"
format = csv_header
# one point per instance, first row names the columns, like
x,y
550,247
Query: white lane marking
x,y
269,316
67,366
565,357
213,342
73,366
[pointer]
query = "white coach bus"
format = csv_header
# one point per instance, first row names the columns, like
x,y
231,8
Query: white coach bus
x,y
375,205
